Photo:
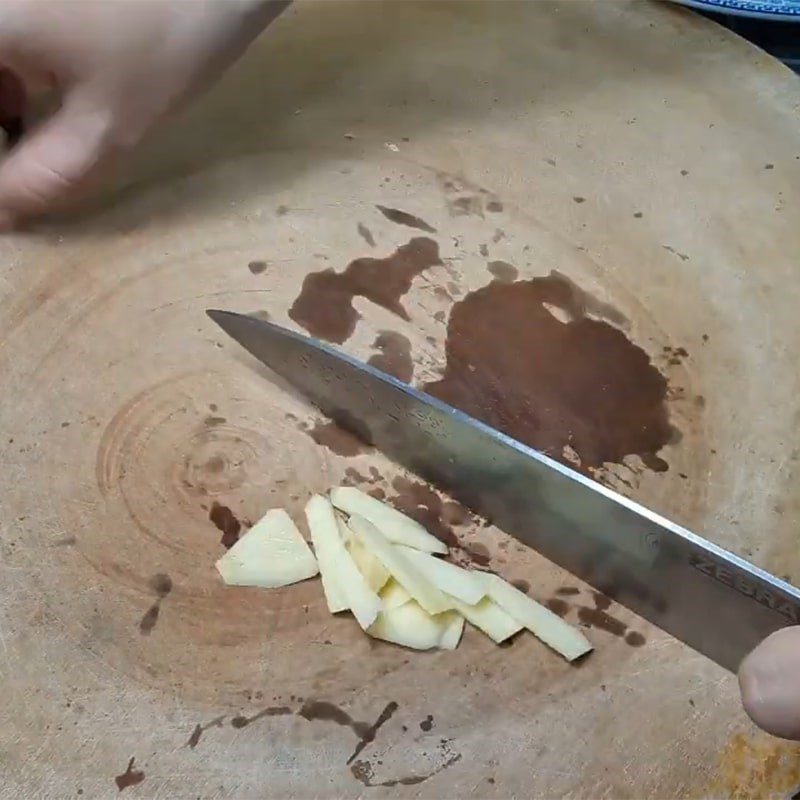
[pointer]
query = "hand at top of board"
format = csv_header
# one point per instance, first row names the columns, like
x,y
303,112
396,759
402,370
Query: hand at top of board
x,y
118,67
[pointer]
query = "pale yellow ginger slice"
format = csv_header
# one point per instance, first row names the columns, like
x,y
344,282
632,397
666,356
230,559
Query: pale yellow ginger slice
x,y
540,621
400,568
272,553
462,584
394,525
344,586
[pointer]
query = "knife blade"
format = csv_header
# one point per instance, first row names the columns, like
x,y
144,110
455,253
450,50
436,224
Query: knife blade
x,y
709,598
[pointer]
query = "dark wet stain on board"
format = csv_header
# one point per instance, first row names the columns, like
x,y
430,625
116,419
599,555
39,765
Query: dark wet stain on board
x,y
495,206
674,356
337,439
212,422
257,267
161,584
352,477
404,218
394,357
226,521
521,585
669,249
366,234
468,205
454,513
362,771
369,735
322,710
131,776
241,721
150,618
551,384
598,617
427,723
558,606
194,739
478,553
324,306
511,640
423,504
503,271
199,730
357,427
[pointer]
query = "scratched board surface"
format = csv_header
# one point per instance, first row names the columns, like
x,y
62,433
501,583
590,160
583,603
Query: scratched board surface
x,y
574,221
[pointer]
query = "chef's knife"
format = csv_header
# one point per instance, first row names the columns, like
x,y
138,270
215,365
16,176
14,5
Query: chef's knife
x,y
711,599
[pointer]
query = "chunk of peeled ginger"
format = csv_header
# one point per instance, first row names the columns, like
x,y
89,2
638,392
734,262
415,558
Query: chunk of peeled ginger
x,y
370,567
490,618
396,527
334,593
540,621
451,579
394,596
344,586
272,553
400,568
411,626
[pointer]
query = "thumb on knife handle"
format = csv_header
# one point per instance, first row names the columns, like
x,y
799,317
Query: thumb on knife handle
x,y
769,680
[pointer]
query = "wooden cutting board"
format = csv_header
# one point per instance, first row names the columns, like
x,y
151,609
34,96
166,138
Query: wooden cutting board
x,y
649,158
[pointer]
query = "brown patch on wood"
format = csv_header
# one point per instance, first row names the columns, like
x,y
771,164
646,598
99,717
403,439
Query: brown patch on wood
x,y
131,776
324,306
226,521
555,381
400,217
394,357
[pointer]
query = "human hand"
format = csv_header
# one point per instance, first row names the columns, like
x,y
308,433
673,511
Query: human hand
x,y
769,680
118,67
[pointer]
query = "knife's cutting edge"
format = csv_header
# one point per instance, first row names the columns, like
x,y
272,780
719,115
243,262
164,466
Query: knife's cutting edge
x,y
708,597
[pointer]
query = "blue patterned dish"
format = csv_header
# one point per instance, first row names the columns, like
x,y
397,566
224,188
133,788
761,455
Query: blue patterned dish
x,y
783,10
